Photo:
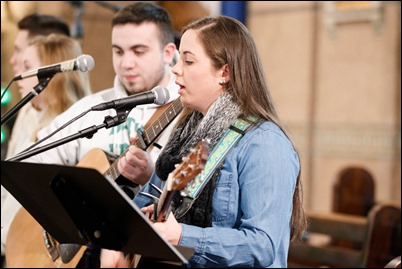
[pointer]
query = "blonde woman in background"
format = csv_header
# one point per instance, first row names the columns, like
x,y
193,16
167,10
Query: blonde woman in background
x,y
29,27
63,90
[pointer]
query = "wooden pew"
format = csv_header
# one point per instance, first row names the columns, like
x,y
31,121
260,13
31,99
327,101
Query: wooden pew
x,y
353,193
385,238
316,249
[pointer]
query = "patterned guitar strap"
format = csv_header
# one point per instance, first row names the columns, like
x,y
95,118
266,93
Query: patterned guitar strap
x,y
230,138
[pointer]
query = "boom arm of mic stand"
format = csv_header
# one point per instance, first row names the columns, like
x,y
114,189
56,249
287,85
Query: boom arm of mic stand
x,y
88,133
43,82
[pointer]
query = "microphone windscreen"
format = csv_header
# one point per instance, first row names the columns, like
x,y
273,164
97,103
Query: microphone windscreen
x,y
85,63
161,95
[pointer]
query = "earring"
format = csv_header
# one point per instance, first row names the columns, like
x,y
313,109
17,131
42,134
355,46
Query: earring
x,y
223,81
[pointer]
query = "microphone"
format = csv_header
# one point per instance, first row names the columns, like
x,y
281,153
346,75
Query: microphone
x,y
82,63
157,95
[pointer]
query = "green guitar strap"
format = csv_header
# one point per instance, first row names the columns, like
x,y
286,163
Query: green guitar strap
x,y
215,158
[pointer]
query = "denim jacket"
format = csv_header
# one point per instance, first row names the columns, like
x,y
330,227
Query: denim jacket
x,y
252,204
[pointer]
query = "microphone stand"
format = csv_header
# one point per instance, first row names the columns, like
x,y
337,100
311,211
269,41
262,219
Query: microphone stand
x,y
43,82
87,132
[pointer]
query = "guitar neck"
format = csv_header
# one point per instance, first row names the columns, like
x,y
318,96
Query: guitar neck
x,y
164,204
149,135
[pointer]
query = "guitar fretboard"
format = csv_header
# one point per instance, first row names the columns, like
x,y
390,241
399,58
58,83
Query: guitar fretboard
x,y
149,135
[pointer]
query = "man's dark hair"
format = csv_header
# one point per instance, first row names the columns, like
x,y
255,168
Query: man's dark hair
x,y
141,12
40,24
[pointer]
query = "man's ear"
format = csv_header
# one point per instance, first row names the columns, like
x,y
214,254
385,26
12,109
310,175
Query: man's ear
x,y
169,53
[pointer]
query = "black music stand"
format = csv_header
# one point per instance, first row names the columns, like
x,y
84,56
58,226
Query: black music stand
x,y
80,206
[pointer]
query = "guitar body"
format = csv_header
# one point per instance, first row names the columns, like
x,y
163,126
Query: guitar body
x,y
95,159
26,247
25,242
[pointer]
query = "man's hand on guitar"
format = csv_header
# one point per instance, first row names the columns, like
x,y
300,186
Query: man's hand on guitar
x,y
136,165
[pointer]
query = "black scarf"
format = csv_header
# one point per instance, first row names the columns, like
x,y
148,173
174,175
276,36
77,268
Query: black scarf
x,y
186,136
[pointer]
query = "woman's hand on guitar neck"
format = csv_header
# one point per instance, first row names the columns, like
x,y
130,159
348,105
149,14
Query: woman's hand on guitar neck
x,y
136,165
170,230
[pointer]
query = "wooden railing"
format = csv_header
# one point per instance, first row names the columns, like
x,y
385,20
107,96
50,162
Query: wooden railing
x,y
316,250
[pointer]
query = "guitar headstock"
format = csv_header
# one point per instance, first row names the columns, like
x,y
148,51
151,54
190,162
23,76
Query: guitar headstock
x,y
186,171
191,166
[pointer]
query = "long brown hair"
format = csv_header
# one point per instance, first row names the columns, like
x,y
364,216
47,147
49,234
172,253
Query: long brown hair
x,y
227,41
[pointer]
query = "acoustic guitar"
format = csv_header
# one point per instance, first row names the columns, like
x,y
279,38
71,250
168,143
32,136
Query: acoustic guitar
x,y
183,174
28,245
